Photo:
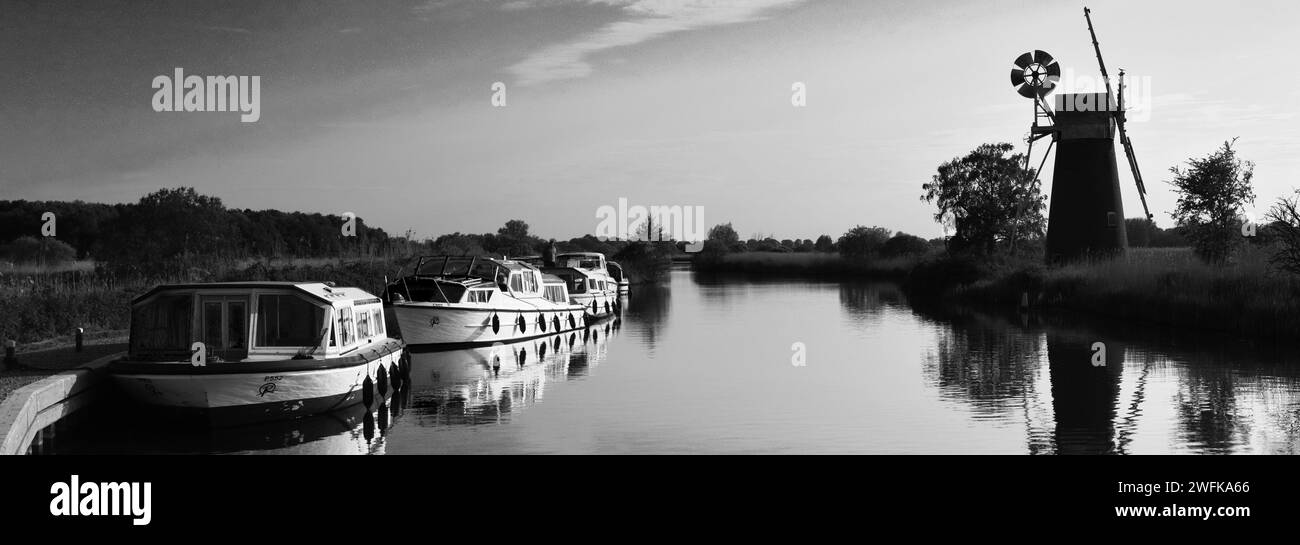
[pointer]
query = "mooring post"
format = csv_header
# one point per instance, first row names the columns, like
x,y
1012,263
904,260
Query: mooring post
x,y
10,360
80,334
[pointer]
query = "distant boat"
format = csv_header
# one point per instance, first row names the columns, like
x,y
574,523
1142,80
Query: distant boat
x,y
616,272
462,302
239,352
588,282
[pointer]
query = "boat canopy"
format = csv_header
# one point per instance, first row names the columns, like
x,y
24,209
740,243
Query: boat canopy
x,y
592,261
237,321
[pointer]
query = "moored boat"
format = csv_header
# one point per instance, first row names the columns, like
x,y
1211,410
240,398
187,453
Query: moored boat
x,y
238,352
620,278
588,282
461,301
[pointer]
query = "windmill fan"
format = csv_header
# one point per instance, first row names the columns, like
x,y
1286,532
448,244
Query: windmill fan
x,y
1035,74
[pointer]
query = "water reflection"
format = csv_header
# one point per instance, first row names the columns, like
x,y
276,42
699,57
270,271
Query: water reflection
x,y
491,384
645,309
1158,391
127,428
863,300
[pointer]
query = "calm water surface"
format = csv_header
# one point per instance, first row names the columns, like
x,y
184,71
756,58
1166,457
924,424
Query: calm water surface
x,y
706,365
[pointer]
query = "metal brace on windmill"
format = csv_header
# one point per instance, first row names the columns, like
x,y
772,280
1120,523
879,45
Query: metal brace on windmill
x,y
1086,216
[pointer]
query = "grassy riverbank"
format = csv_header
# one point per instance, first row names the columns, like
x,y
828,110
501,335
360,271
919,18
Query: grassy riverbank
x,y
44,306
1159,286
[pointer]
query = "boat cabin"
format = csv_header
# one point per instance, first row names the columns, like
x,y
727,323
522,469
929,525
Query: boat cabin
x,y
253,321
467,279
615,271
591,261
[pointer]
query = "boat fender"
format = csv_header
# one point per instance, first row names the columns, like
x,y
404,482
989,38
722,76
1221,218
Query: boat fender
x,y
555,322
381,380
594,309
572,323
606,306
395,376
521,324
541,322
368,391
496,323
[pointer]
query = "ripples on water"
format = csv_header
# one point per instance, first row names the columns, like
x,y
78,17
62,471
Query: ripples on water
x,y
704,365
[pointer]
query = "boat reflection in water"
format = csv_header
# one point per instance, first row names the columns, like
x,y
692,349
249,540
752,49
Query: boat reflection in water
x,y
121,428
487,385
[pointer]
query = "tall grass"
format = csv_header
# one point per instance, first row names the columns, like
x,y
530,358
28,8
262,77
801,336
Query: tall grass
x,y
1162,286
41,304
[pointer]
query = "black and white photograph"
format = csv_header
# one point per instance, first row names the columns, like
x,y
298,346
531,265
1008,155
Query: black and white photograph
x,y
983,231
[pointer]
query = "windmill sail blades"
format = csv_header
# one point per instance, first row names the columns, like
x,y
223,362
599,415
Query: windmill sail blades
x,y
1035,74
1025,60
1133,164
1017,76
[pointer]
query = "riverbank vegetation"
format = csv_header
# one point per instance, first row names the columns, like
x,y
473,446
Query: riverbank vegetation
x,y
97,257
1213,270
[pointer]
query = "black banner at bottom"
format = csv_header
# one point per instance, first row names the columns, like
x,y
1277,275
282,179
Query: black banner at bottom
x,y
128,496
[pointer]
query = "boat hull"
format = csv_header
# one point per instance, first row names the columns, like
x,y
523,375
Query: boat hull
x,y
429,325
244,392
596,305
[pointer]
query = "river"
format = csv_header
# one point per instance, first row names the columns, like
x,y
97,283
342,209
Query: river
x,y
727,365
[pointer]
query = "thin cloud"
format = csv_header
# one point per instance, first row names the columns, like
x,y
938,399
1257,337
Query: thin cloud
x,y
235,30
649,19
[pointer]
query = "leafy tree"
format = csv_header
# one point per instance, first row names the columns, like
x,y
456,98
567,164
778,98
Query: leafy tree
x,y
1211,194
988,197
824,244
724,233
862,242
517,229
903,245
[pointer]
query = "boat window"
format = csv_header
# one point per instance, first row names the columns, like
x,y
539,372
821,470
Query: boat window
x,y
163,325
225,326
516,283
591,283
347,333
377,321
556,293
530,282
480,296
287,320
363,325
484,270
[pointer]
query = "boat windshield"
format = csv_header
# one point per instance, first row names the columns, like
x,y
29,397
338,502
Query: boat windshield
x,y
582,262
457,266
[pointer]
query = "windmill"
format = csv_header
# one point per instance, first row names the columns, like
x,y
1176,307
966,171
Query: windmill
x,y
1086,216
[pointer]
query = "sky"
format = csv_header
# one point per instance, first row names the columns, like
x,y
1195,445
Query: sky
x,y
385,109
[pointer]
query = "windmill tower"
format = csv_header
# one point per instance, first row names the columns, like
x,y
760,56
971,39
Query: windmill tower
x,y
1086,216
